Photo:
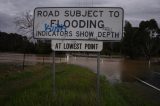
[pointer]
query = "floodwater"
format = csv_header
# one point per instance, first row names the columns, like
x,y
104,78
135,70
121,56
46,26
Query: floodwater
x,y
115,69
111,68
120,70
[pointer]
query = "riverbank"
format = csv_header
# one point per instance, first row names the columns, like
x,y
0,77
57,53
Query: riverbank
x,y
75,86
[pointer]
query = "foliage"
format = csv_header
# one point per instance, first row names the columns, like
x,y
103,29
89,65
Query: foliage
x,y
127,41
111,48
141,42
24,23
15,43
43,47
147,41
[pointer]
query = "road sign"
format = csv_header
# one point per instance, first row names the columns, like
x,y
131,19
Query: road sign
x,y
84,23
76,45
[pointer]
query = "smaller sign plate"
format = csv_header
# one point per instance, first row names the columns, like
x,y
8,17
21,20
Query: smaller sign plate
x,y
76,45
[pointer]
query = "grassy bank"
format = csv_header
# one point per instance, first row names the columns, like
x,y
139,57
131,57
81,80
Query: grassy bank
x,y
75,86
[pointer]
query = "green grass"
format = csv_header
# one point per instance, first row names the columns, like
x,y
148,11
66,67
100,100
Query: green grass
x,y
75,86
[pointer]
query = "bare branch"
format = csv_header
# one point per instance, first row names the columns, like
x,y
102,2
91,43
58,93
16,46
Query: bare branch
x,y
24,23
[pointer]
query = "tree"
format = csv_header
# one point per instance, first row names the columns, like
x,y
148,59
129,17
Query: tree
x,y
24,22
142,41
147,39
127,41
14,43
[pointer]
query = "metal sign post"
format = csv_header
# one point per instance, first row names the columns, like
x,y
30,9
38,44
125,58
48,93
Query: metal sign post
x,y
98,79
88,24
54,72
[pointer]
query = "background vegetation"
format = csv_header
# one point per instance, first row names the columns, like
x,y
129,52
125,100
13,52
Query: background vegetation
x,y
137,42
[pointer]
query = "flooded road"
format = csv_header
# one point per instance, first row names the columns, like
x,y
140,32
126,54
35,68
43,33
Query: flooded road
x,y
120,70
111,68
115,69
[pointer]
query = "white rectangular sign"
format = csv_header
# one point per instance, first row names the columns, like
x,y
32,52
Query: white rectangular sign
x,y
87,23
76,45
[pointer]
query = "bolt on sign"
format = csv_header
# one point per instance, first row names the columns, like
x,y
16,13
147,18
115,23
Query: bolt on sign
x,y
76,45
79,23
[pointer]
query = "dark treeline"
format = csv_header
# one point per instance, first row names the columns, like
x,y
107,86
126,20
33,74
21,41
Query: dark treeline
x,y
143,41
16,43
137,42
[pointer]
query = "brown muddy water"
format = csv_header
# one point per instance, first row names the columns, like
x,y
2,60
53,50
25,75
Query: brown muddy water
x,y
115,69
120,70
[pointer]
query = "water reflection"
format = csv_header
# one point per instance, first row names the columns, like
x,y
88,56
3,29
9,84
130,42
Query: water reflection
x,y
132,68
118,70
111,68
115,69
